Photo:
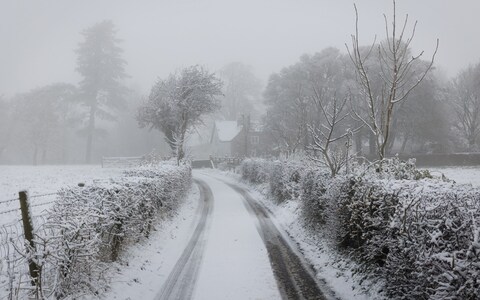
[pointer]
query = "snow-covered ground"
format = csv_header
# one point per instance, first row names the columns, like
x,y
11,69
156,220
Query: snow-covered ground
x,y
234,263
40,180
462,175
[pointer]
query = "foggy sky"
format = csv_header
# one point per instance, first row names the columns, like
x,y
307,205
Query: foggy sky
x,y
38,38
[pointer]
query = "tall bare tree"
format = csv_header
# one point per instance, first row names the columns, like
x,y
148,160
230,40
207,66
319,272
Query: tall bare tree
x,y
292,97
242,90
287,109
400,73
467,104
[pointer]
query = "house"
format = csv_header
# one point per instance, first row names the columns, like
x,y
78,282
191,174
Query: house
x,y
239,139
228,139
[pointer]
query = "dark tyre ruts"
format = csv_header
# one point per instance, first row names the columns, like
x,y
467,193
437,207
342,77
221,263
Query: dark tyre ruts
x,y
180,283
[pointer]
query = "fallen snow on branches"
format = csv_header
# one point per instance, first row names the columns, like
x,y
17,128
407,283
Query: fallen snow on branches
x,y
89,227
413,234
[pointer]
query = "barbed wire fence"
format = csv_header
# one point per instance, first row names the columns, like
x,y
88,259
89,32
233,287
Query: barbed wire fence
x,y
19,235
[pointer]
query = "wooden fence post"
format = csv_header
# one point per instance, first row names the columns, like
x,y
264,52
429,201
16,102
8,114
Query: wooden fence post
x,y
28,230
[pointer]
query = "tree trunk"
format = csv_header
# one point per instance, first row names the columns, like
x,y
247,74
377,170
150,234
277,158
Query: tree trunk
x,y
180,152
35,154
44,156
358,142
64,148
2,149
404,143
471,142
372,145
90,132
183,132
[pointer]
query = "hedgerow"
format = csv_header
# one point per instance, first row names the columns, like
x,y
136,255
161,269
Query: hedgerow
x,y
417,235
88,227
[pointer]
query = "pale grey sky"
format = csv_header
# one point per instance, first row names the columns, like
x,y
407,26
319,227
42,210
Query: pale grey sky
x,y
38,38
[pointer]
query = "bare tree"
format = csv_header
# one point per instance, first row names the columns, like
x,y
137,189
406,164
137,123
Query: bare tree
x,y
242,90
400,73
467,104
328,137
292,96
287,107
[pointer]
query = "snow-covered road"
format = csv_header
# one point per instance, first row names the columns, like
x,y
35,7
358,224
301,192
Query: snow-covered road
x,y
235,262
240,254
181,281
226,247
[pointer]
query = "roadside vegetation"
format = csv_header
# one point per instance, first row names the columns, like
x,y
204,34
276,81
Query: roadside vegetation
x,y
87,229
418,236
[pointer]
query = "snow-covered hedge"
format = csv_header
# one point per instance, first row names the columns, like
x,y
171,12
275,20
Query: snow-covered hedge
x,y
283,178
88,226
419,235
255,170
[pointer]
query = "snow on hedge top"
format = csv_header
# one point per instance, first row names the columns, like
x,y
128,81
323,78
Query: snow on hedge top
x,y
227,130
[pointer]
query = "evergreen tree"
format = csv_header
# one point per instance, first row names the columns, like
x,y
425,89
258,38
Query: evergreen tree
x,y
101,64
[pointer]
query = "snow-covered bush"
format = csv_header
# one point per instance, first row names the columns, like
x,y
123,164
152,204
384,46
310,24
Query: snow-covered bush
x,y
315,197
365,209
391,168
255,170
283,177
88,226
434,249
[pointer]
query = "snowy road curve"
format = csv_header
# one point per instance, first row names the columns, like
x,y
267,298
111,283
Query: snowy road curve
x,y
237,252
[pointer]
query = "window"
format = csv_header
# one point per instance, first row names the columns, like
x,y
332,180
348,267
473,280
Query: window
x,y
254,139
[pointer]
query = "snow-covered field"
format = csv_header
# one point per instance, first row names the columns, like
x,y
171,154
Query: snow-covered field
x,y
40,180
462,175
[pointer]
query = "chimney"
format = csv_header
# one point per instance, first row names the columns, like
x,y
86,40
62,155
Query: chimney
x,y
241,121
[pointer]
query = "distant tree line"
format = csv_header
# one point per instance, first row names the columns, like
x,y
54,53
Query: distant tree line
x,y
66,123
374,100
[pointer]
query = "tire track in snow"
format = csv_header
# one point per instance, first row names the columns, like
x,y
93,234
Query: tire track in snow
x,y
180,283
295,278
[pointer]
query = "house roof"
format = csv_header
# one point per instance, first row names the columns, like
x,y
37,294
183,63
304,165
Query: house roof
x,y
227,130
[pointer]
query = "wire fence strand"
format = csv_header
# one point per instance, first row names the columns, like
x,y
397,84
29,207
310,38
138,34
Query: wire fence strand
x,y
42,204
9,211
42,195
9,200
30,197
